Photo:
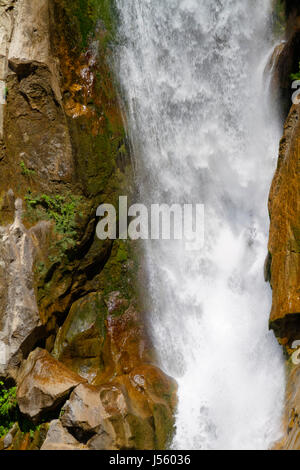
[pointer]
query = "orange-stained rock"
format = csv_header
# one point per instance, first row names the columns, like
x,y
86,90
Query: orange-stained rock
x,y
135,411
291,422
127,341
98,342
153,396
284,240
43,383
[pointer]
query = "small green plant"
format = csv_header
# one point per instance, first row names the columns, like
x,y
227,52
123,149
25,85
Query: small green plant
x,y
26,171
8,408
60,209
63,210
295,76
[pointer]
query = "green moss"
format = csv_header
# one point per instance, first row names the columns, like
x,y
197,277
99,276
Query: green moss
x,y
295,76
279,17
84,14
8,408
97,157
122,254
164,425
120,272
79,342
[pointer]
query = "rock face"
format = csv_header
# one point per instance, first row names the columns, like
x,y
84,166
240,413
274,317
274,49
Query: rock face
x,y
43,384
19,316
284,243
30,41
72,331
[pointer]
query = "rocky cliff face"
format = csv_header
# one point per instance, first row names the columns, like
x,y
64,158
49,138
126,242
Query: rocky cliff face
x,y
284,242
72,334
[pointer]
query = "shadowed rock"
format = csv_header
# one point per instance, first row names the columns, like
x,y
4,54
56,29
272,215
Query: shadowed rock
x,y
58,438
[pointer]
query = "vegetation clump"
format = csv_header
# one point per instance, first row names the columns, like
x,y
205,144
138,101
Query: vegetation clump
x,y
60,209
8,408
279,17
26,171
87,13
295,76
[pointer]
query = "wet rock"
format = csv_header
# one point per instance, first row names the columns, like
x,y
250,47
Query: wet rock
x,y
128,342
115,303
99,346
43,384
133,412
58,438
79,342
153,397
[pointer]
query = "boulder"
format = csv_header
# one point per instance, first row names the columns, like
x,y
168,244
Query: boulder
x,y
58,438
133,412
84,409
98,343
43,383
104,417
79,342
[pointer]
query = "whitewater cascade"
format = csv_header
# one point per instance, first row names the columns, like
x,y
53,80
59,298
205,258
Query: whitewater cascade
x,y
203,131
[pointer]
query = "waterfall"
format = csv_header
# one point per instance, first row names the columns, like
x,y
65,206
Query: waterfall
x,y
202,130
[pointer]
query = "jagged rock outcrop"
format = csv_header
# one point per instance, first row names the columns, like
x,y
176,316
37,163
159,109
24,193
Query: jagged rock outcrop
x,y
69,309
43,384
20,325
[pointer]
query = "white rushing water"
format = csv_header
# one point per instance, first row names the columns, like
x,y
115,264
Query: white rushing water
x,y
202,131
